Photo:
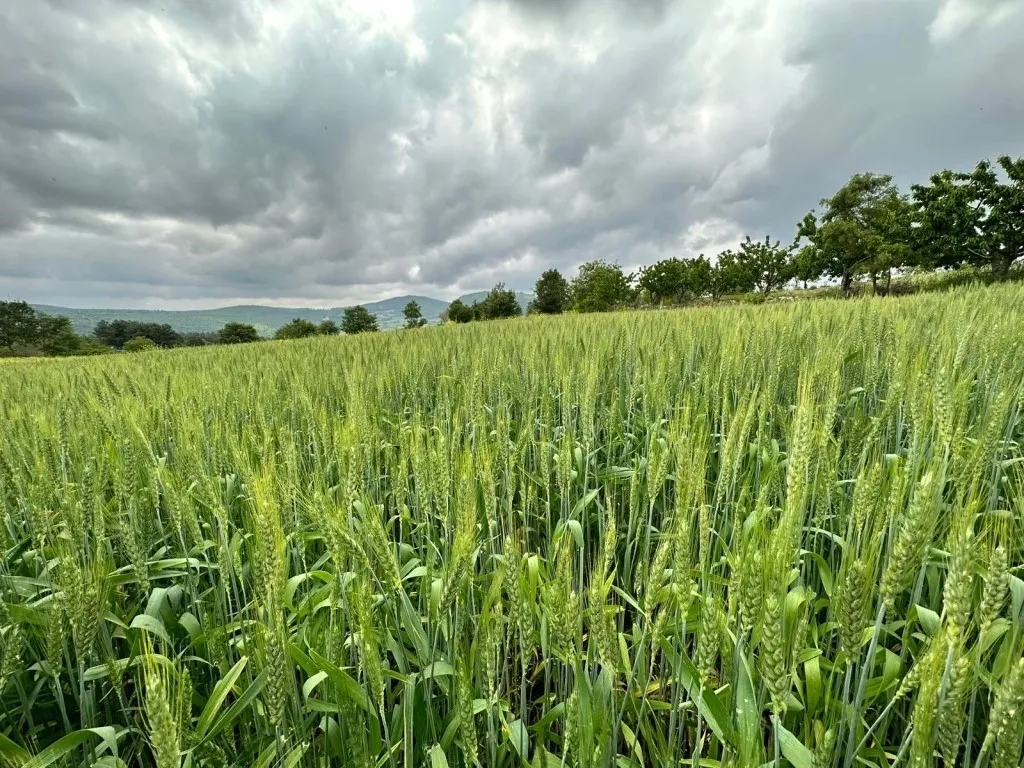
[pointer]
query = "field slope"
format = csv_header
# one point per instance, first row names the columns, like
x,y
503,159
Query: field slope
x,y
784,535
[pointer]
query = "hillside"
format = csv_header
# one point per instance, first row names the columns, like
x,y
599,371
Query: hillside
x,y
266,319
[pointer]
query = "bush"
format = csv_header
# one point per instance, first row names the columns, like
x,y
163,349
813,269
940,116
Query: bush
x,y
140,344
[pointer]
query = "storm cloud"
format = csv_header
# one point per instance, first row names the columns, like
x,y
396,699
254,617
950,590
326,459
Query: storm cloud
x,y
183,153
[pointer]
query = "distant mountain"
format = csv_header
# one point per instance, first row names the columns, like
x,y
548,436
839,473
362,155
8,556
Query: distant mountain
x,y
265,319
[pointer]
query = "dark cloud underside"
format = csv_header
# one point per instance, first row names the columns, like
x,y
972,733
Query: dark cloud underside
x,y
184,153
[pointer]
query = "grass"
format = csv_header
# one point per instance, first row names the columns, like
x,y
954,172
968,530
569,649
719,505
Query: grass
x,y
785,535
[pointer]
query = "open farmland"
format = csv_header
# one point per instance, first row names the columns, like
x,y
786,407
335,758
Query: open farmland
x,y
785,534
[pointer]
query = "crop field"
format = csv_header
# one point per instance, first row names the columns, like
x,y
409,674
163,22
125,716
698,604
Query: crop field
x,y
785,535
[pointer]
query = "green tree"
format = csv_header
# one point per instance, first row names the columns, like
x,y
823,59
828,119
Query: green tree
x,y
140,344
770,265
665,282
974,218
328,328
550,294
199,339
237,333
19,325
861,231
116,332
296,329
358,319
499,302
55,336
600,287
413,315
732,273
675,281
458,312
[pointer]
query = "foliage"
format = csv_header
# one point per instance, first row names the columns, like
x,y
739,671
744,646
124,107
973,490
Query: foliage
x,y
140,344
974,218
358,319
297,329
237,333
550,294
864,229
18,324
458,312
675,281
117,332
732,274
600,287
413,315
327,328
199,339
499,303
26,332
742,536
769,264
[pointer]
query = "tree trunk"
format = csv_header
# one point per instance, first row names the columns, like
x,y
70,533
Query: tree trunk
x,y
874,283
847,283
1001,264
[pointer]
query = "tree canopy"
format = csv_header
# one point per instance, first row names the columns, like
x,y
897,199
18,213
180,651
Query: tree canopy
x,y
863,229
972,218
458,312
24,331
550,293
238,333
358,319
413,315
328,328
296,329
140,344
115,333
600,287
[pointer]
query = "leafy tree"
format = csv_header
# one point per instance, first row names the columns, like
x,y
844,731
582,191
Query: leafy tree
x,y
862,229
499,302
328,328
770,265
675,281
115,333
413,315
600,287
458,312
296,329
199,339
140,344
665,282
237,333
974,218
55,336
89,346
23,331
358,319
732,273
19,324
550,294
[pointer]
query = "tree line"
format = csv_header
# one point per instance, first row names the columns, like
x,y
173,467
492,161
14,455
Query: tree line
x,y
868,229
26,332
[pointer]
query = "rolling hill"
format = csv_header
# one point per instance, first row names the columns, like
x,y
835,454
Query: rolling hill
x,y
266,319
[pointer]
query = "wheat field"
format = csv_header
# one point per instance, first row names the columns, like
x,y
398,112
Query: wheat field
x,y
786,535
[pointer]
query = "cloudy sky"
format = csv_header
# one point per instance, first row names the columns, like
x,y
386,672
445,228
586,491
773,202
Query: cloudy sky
x,y
190,153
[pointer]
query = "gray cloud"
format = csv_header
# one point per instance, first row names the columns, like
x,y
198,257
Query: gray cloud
x,y
184,153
